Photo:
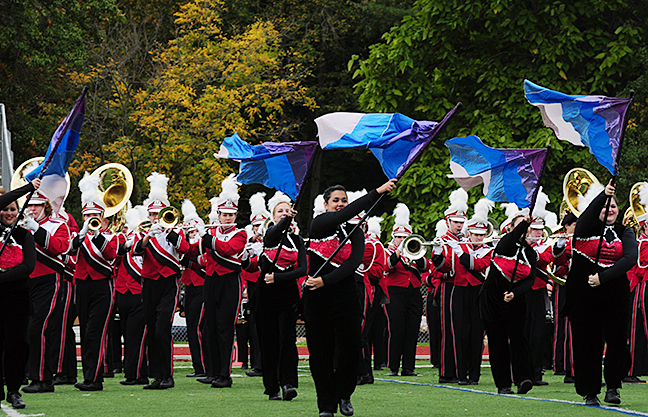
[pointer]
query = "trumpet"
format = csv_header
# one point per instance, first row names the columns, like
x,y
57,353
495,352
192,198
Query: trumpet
x,y
414,246
94,223
168,217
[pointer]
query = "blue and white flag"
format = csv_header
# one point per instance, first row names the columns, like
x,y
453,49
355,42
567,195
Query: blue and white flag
x,y
596,122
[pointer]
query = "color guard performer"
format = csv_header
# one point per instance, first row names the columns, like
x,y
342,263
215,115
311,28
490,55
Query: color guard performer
x,y
455,217
403,277
161,250
225,246
96,250
471,262
52,238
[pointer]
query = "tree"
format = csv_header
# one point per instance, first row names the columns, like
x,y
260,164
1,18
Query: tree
x,y
479,53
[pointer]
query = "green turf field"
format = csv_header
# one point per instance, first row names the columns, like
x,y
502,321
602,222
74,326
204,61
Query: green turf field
x,y
385,398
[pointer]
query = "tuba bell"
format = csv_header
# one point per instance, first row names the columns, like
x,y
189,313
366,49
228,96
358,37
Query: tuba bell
x,y
168,217
115,189
576,182
636,209
18,178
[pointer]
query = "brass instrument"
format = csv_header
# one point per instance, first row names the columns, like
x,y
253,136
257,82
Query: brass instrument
x,y
115,189
144,226
94,223
554,277
576,182
635,209
18,178
415,247
168,217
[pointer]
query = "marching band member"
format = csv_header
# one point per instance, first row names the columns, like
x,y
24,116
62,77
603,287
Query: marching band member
x,y
403,277
93,285
598,297
444,262
222,290
562,340
128,288
193,277
277,293
52,238
502,307
331,307
375,294
471,264
537,298
161,251
17,261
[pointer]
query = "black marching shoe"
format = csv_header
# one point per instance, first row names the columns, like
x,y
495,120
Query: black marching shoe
x,y
89,386
525,386
167,382
275,397
632,380
473,382
14,398
569,379
364,379
463,381
109,374
196,375
408,372
393,373
540,383
38,386
505,391
612,396
222,382
206,380
288,392
447,380
254,372
63,380
346,408
130,381
244,366
592,400
153,385
325,414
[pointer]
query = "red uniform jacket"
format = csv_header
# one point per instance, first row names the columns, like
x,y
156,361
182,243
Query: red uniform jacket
x,y
161,257
373,266
545,257
478,259
194,272
224,249
96,255
52,241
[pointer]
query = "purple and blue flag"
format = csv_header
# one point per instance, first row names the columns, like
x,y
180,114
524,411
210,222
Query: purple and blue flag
x,y
508,175
279,165
596,122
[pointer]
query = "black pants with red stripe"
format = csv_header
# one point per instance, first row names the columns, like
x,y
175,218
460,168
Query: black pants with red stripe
x,y
447,357
468,330
222,300
131,319
60,318
94,305
638,342
369,322
193,306
562,334
160,298
44,293
535,328
434,326
404,313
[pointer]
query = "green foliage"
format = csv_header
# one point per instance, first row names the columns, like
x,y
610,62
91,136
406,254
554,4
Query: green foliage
x,y
479,53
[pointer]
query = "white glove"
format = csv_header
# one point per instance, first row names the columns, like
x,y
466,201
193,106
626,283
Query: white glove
x,y
256,248
155,229
129,242
456,247
84,229
438,249
31,224
561,242
202,231
245,255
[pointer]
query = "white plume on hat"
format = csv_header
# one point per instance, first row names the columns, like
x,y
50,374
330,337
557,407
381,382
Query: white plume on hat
x,y
373,226
458,202
353,196
159,183
189,212
88,186
441,228
133,218
509,209
643,194
257,206
229,191
482,209
143,211
213,214
279,197
248,231
591,193
539,210
401,215
318,206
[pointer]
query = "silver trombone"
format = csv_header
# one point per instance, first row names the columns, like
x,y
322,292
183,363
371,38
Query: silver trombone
x,y
415,247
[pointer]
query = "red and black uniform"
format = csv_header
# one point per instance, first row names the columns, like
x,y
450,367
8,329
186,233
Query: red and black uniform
x,y
275,303
160,289
128,289
512,269
432,279
222,296
94,294
638,341
446,264
470,273
373,297
537,303
193,277
404,310
45,334
246,326
332,312
602,312
563,360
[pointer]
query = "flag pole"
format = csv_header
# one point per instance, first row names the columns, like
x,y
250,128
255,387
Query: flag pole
x,y
40,176
608,201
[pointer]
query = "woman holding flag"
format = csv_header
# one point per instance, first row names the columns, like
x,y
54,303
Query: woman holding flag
x,y
331,307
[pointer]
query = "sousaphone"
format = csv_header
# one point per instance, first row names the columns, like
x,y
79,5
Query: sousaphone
x,y
115,189
18,178
576,182
636,209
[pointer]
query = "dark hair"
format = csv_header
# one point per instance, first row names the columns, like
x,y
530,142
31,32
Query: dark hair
x,y
569,219
328,191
